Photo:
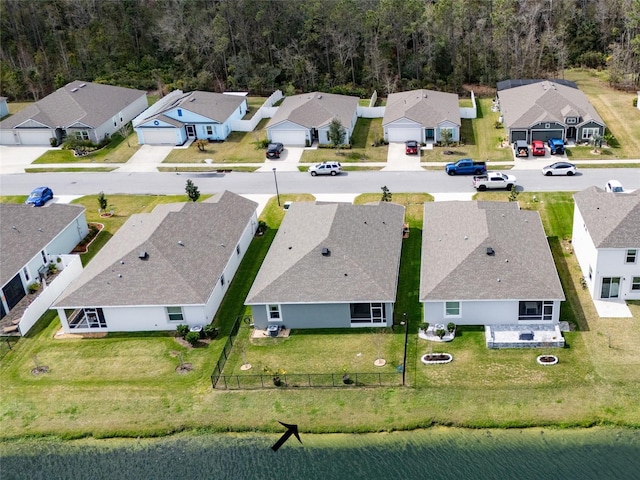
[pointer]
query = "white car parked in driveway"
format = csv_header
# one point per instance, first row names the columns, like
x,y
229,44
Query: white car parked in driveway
x,y
325,168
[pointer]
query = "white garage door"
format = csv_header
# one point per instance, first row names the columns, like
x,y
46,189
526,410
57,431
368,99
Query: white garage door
x,y
288,137
8,138
34,136
159,136
404,134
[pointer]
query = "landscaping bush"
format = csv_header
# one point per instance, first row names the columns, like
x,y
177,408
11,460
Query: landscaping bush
x,y
344,146
33,287
635,102
210,331
182,330
53,141
451,327
441,332
193,338
261,144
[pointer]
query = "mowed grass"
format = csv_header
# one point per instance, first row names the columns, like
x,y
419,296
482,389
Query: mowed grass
x,y
480,139
119,150
366,132
239,147
616,109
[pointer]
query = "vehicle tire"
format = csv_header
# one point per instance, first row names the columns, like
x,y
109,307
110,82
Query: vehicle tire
x,y
313,174
509,186
569,174
548,174
451,172
333,174
482,188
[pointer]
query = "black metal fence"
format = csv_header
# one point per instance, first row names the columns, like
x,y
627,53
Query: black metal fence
x,y
306,380
7,343
226,351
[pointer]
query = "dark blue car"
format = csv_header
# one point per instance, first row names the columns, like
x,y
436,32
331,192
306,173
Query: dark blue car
x,y
39,196
556,145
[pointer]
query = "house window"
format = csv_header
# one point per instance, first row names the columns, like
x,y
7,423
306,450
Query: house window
x,y
25,271
88,318
81,135
179,112
535,310
222,280
44,256
274,312
238,249
590,273
175,314
635,283
587,133
571,120
367,312
631,255
547,126
209,130
452,309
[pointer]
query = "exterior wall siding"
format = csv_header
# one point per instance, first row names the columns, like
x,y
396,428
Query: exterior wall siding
x,y
584,249
484,312
611,263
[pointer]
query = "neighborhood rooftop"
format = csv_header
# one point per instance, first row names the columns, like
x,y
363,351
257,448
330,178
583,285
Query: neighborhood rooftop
x,y
315,109
426,107
613,220
171,256
485,251
332,253
25,231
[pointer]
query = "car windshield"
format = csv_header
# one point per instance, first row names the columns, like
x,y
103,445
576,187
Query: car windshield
x,y
35,195
617,189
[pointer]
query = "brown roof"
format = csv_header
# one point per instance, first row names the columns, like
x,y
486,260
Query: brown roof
x,y
426,107
316,109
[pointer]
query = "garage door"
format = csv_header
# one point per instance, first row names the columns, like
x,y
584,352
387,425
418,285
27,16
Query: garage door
x,y
288,137
545,135
158,136
34,136
8,138
404,134
518,135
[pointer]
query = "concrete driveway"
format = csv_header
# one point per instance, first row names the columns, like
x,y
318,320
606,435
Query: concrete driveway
x,y
147,159
288,161
398,161
16,159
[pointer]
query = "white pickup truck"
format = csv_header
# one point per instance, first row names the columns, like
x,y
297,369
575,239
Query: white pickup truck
x,y
493,180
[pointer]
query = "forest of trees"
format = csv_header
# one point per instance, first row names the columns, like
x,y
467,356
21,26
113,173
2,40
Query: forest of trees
x,y
345,46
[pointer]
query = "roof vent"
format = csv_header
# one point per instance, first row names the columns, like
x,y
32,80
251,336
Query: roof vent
x,y
74,89
180,243
193,99
82,85
319,96
143,255
490,252
326,252
119,275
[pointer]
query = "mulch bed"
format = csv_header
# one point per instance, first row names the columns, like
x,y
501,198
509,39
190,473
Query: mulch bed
x,y
83,246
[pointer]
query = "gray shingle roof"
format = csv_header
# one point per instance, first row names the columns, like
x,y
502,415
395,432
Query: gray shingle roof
x,y
92,105
316,109
173,274
544,101
426,107
455,264
216,106
612,219
365,242
34,229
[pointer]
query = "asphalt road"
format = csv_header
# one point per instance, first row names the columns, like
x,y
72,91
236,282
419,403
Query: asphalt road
x,y
87,183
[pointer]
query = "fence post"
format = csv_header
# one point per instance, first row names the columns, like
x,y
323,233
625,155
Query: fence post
x,y
309,378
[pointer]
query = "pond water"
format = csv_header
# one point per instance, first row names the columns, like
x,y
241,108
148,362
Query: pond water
x,y
437,453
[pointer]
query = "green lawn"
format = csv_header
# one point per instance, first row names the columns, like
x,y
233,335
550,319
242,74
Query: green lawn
x,y
70,169
117,151
366,132
239,147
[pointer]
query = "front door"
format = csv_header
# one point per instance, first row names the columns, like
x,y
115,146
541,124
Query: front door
x,y
571,133
610,287
191,130
377,312
429,134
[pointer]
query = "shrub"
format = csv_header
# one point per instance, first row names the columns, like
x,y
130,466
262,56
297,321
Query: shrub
x,y
52,268
635,102
33,287
451,327
53,141
261,144
210,331
182,330
102,201
441,332
193,338
424,326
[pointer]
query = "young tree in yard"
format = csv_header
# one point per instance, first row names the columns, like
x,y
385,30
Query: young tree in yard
x,y
201,144
125,130
192,191
446,136
596,140
336,133
386,194
513,196
102,201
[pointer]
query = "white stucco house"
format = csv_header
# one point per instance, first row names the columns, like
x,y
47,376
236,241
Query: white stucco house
x,y
30,240
331,266
84,110
606,242
487,263
162,269
421,115
303,119
179,116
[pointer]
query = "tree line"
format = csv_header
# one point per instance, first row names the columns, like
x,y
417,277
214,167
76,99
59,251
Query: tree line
x,y
344,46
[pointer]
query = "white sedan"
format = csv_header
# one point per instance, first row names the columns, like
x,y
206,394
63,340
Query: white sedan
x,y
560,168
614,186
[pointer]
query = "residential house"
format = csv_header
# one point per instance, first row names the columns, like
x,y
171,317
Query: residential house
x,y
303,119
606,242
180,116
82,110
421,115
543,109
487,263
4,108
30,240
330,266
162,269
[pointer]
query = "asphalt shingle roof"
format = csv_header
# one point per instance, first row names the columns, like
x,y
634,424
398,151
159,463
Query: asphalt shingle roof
x,y
612,219
91,105
426,107
34,229
188,247
365,242
455,263
216,106
544,101
316,109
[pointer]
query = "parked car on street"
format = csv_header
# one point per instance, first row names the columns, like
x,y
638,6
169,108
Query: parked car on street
x,y
560,168
493,181
274,150
411,147
39,196
325,168
556,145
537,148
466,166
614,186
521,148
